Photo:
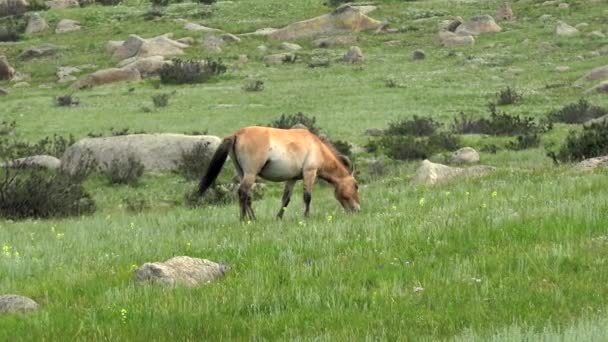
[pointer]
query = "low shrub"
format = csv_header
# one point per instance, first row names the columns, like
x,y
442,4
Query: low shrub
x,y
523,142
53,146
343,147
12,28
287,121
193,163
124,171
508,96
158,3
161,100
7,127
499,123
136,203
12,8
576,113
253,85
417,126
67,101
108,2
154,12
190,71
591,142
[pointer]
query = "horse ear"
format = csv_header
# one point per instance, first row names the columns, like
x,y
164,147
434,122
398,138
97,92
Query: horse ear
x,y
349,164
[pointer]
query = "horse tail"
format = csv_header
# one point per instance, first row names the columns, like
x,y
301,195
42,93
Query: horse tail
x,y
216,164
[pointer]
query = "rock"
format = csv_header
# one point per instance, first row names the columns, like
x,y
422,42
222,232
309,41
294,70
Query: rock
x,y
157,152
199,28
186,40
450,39
213,44
42,50
563,5
465,155
344,18
67,25
243,59
161,46
113,45
453,24
328,42
62,4
147,66
230,38
12,7
562,68
36,24
601,120
599,73
319,61
547,46
11,303
601,88
596,34
418,55
290,47
180,271
266,31
431,173
365,9
478,24
504,13
374,132
6,70
3,92
279,58
261,48
581,26
128,48
592,163
107,76
564,30
21,85
545,17
20,77
41,161
64,74
353,55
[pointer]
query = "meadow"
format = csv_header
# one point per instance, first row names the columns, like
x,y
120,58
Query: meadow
x,y
518,255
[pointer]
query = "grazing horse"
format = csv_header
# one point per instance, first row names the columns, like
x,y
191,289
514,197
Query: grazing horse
x,y
283,155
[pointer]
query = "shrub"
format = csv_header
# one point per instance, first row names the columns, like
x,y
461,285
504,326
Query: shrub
x,y
499,123
591,142
42,194
12,8
53,146
67,101
11,28
523,142
288,121
7,127
254,85
158,3
136,203
443,142
154,12
405,148
576,113
37,5
207,2
160,100
190,71
124,171
344,147
391,82
508,96
193,163
416,126
108,2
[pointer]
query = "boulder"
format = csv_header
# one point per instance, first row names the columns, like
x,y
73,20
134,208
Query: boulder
x,y
21,85
41,161
290,47
564,30
432,173
3,92
157,152
42,50
596,34
418,55
11,303
452,25
601,88
113,45
64,74
266,31
478,24
36,24
345,18
161,46
128,48
504,13
107,76
328,42
279,58
353,55
199,28
186,40
465,155
67,25
6,70
212,43
230,38
180,271
147,66
596,74
450,39
592,163
12,7
62,4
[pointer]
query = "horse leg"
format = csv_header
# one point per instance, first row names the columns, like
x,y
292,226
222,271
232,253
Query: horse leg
x,y
286,197
247,182
309,181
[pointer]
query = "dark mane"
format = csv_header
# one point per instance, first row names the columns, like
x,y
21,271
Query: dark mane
x,y
325,140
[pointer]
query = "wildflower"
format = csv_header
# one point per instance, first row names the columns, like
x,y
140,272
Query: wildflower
x,y
60,236
447,193
476,280
418,289
132,225
6,250
329,218
494,193
467,193
134,267
394,207
52,229
421,202
123,315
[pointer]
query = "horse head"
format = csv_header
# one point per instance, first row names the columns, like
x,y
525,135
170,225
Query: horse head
x,y
347,189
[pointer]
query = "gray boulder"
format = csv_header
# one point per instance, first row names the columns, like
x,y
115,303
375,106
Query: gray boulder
x,y
477,25
36,24
564,30
40,161
418,55
180,271
290,47
596,74
601,88
127,49
465,155
64,74
592,163
354,55
450,39
157,152
279,58
7,72
67,25
42,50
432,173
106,76
147,66
11,303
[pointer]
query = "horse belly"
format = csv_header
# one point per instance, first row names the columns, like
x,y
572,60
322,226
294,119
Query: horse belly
x,y
280,170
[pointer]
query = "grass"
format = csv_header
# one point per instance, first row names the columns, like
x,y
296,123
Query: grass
x,y
516,255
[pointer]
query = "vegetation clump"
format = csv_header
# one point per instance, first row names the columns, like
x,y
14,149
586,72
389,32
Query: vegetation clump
x,y
591,142
192,163
508,96
287,121
417,126
161,100
12,28
576,113
124,171
67,101
253,85
499,123
191,71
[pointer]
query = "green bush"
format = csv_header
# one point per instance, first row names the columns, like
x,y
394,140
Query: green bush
x,y
193,163
11,28
591,142
287,121
253,85
508,96
523,142
576,113
161,100
190,71
124,171
417,126
408,147
154,12
67,101
499,123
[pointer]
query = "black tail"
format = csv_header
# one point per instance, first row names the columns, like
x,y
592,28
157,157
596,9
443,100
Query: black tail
x,y
216,164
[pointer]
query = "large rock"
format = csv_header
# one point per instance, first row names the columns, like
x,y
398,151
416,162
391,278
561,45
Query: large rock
x,y
147,66
107,76
199,28
564,30
601,120
450,39
353,55
136,46
465,155
67,25
212,43
180,271
601,88
64,74
328,42
12,7
157,152
290,47
477,25
504,12
593,163
127,49
345,18
42,50
36,24
6,70
11,303
596,74
41,161
62,4
431,173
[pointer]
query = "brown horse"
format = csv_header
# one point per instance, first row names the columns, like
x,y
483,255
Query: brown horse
x,y
283,155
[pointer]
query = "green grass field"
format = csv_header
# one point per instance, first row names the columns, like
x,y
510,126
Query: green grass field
x,y
520,255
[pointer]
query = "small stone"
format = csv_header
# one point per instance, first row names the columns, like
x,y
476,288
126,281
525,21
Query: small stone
x,y
36,24
67,25
450,39
10,304
564,30
419,54
562,68
290,47
597,34
563,6
353,55
3,92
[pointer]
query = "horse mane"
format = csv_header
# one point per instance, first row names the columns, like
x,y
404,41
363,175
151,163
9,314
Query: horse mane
x,y
325,140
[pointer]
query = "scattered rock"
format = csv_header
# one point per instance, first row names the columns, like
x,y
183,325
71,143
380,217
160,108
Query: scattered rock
x,y
418,55
42,50
290,47
41,161
563,5
592,163
36,24
279,58
599,73
6,70
545,17
562,68
106,76
601,88
261,48
230,38
319,61
504,13
465,155
180,271
64,74
21,85
128,48
328,42
67,25
266,31
344,18
564,30
450,39
199,28
186,40
478,24
3,92
597,34
11,303
353,55
161,46
213,44
431,173
453,24
62,4
157,152
147,66
113,45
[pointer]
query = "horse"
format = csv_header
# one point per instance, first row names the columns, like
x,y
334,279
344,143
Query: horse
x,y
283,155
